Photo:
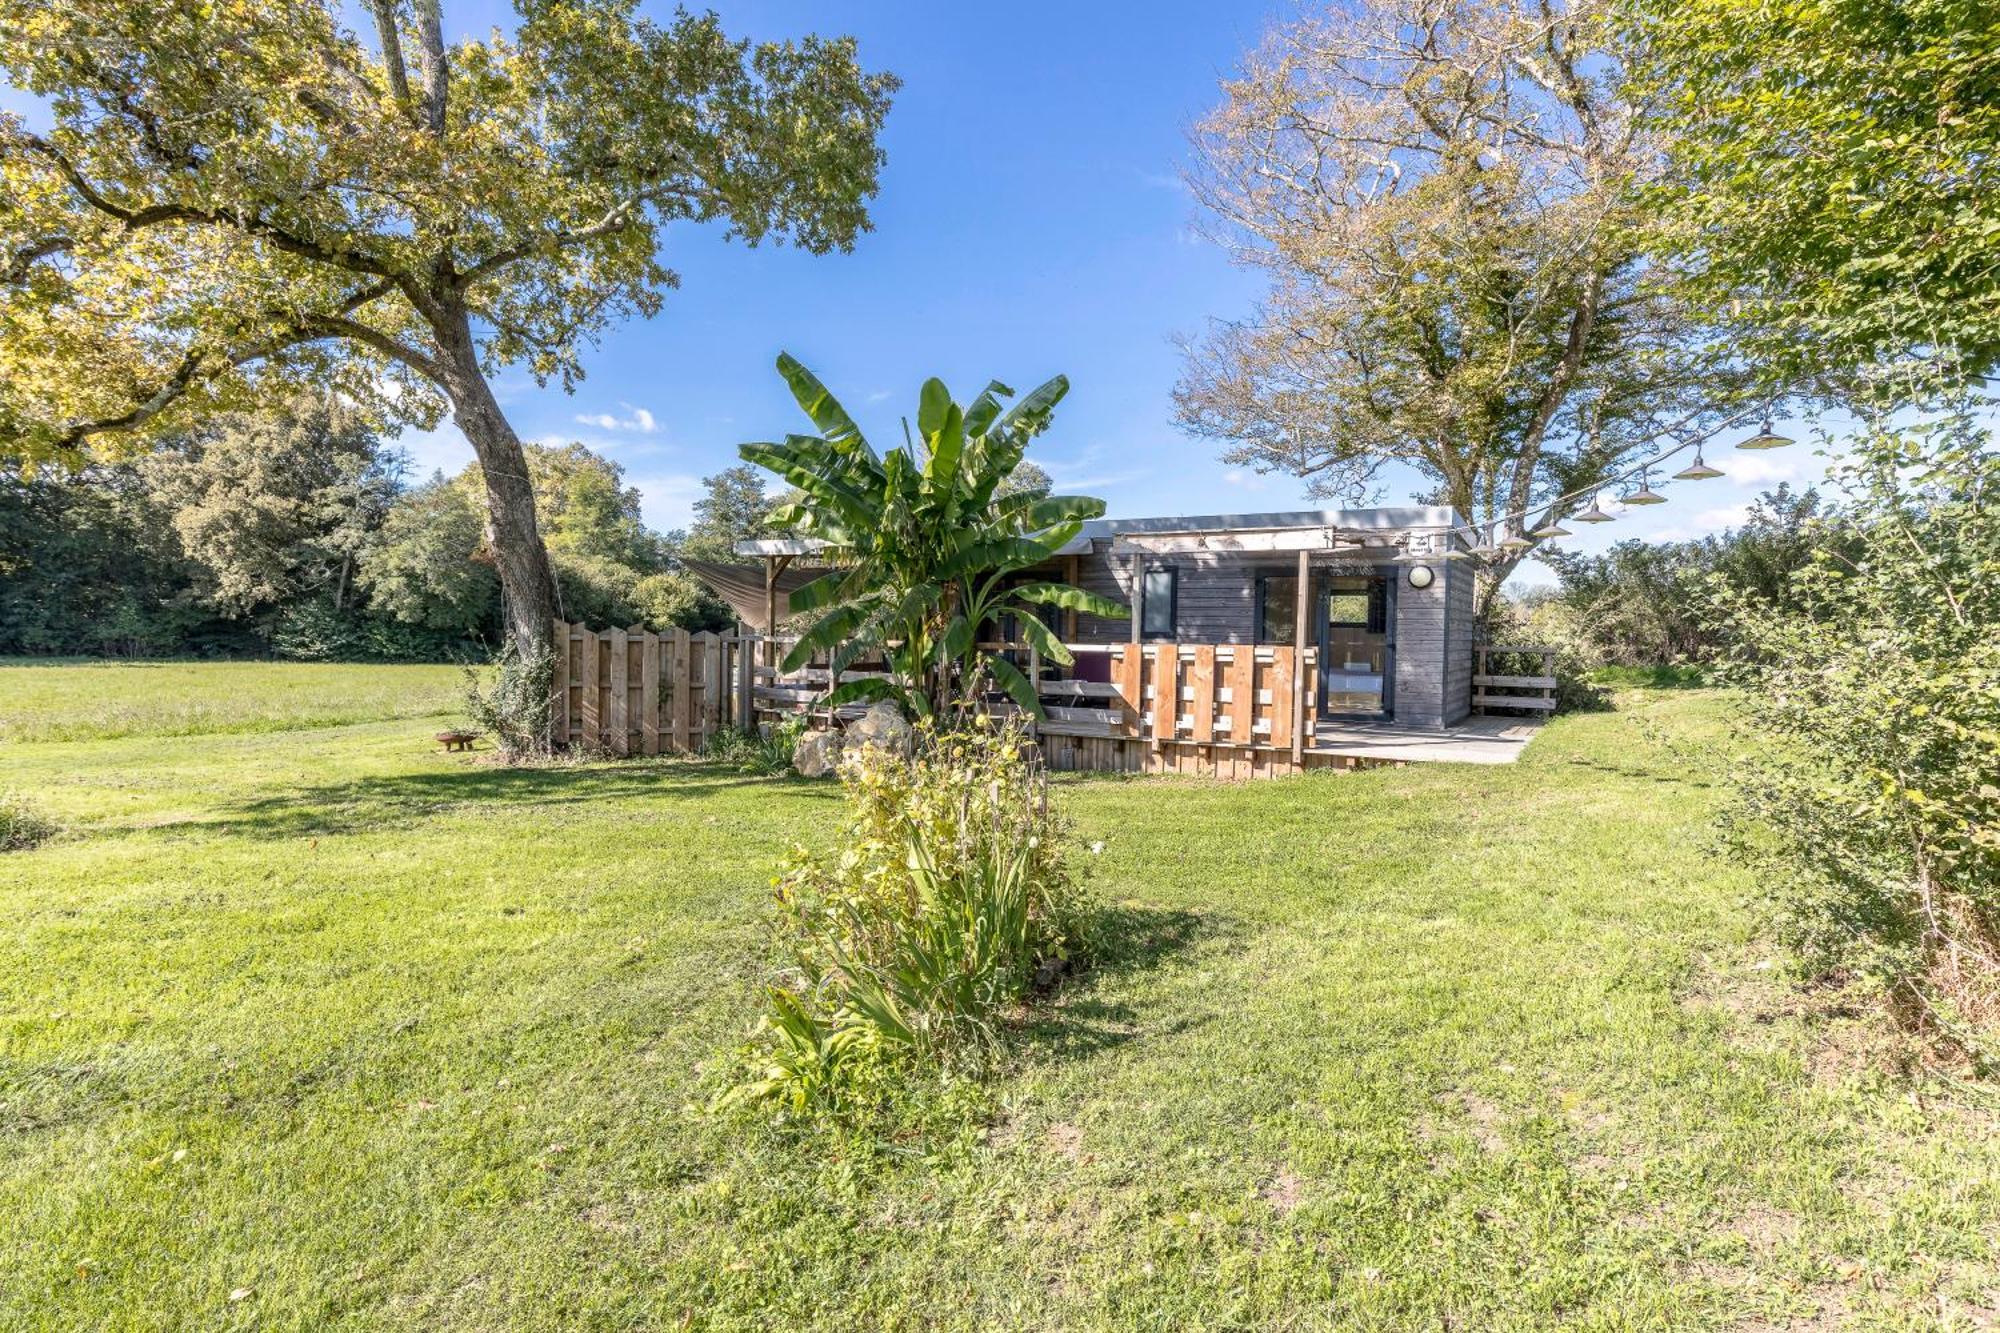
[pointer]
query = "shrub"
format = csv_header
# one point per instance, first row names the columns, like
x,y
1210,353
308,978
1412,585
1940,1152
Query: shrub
x,y
1549,623
764,754
22,825
914,940
518,708
1872,810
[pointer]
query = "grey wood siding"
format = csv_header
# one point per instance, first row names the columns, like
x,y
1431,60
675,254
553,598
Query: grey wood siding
x,y
1218,604
1420,651
1460,609
1216,600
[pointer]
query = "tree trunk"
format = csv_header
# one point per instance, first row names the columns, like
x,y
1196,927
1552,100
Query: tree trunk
x,y
527,582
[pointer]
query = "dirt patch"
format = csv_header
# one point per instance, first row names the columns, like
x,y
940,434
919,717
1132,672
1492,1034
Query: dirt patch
x,y
1065,1139
1283,1192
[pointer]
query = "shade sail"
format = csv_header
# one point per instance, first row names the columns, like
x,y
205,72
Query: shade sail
x,y
742,586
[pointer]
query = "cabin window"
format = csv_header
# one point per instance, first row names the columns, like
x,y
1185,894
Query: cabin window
x,y
1277,608
1158,609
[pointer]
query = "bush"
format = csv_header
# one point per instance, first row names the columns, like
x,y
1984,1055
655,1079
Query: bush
x,y
518,708
1549,623
914,941
764,754
22,825
1872,809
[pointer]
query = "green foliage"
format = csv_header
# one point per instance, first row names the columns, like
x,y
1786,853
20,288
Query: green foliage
x,y
761,754
514,702
912,942
732,508
274,506
191,235
928,555
1836,180
89,564
22,823
1873,816
1644,603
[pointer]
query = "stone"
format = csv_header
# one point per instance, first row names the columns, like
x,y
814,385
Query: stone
x,y
882,727
817,755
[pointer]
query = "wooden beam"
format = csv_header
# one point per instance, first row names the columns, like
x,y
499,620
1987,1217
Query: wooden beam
x,y
1069,615
1138,598
1303,600
1233,543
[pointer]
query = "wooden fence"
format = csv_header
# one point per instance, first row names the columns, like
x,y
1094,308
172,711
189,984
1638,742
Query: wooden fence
x,y
634,691
1230,710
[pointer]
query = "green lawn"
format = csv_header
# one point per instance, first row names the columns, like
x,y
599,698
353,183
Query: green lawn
x,y
380,1037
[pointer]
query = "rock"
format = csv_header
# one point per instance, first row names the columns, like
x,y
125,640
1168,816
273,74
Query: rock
x,y
882,727
817,755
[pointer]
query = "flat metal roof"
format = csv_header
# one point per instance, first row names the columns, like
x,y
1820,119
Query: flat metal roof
x,y
1395,518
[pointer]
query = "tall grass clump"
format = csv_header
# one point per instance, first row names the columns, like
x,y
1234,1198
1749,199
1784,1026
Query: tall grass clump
x,y
22,825
913,943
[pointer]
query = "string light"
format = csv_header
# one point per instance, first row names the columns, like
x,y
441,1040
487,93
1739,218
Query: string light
x,y
1766,439
1645,495
1594,514
1699,470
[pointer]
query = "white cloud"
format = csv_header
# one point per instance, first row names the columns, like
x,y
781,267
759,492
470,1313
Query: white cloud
x,y
879,396
1707,522
637,419
1754,469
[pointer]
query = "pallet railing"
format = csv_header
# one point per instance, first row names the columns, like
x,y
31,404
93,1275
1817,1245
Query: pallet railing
x,y
634,691
1532,690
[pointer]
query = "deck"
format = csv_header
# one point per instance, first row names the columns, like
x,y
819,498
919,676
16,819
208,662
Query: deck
x,y
1477,740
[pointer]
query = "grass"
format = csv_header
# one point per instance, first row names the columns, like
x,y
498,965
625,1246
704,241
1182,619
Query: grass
x,y
64,700
373,1037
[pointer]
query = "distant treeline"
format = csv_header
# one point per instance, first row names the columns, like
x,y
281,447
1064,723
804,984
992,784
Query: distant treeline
x,y
300,535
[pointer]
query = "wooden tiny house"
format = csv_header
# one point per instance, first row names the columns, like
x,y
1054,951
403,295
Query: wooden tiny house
x,y
1375,597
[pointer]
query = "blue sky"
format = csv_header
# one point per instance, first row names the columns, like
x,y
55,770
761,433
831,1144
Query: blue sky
x,y
1031,222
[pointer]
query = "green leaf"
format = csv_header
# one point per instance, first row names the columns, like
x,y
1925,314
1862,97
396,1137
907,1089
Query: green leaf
x,y
1071,598
1018,689
824,409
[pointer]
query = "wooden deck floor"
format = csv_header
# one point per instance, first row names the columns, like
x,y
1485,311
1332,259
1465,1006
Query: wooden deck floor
x,y
1477,740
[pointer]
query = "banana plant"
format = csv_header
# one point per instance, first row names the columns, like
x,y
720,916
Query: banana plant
x,y
925,545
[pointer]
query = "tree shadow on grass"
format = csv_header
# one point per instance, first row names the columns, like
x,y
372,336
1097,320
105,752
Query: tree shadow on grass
x,y
1081,1023
1673,778
365,805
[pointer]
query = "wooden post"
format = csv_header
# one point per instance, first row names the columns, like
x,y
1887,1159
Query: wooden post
x,y
1069,616
1304,599
770,609
746,688
1138,596
620,721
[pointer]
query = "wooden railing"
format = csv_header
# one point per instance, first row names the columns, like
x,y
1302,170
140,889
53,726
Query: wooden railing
x,y
1527,680
634,691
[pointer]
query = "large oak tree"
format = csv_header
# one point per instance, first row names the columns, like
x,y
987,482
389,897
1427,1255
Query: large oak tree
x,y
1442,196
239,198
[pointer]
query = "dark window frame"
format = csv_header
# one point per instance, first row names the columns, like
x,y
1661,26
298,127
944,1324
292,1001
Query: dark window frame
x,y
1147,601
1261,633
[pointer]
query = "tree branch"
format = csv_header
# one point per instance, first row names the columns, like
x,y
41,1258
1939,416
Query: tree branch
x,y
153,215
391,39
198,365
24,258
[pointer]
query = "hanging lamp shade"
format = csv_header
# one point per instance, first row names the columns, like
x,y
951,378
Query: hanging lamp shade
x,y
1766,439
1645,495
1515,542
1699,470
1595,514
1549,531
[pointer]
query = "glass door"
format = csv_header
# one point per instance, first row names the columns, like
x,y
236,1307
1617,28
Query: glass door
x,y
1355,653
